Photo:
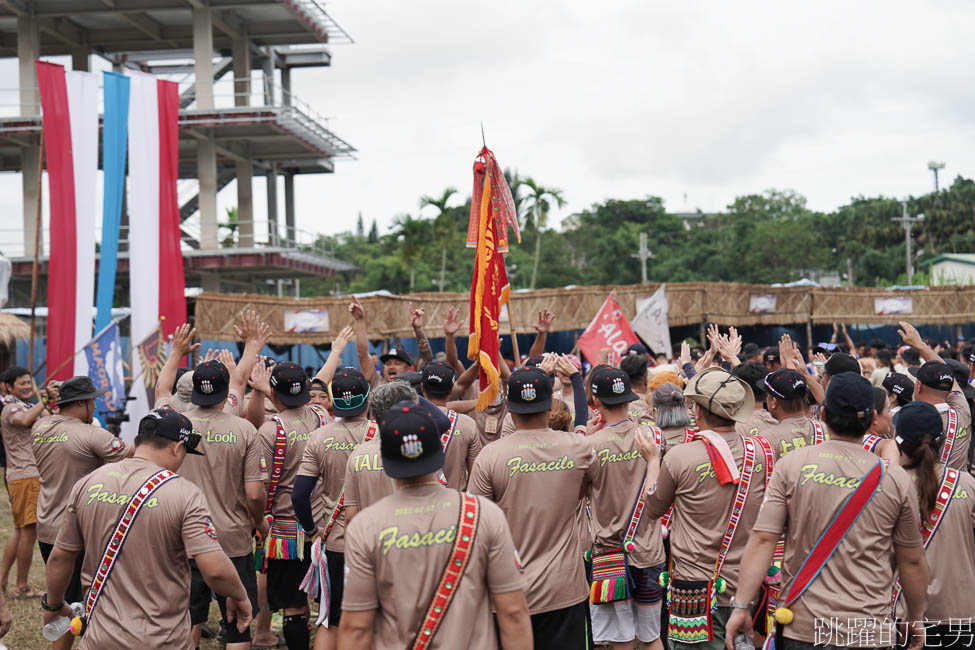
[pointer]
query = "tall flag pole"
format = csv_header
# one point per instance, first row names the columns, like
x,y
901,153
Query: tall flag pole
x,y
492,211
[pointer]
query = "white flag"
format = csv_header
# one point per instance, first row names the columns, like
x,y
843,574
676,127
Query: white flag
x,y
651,322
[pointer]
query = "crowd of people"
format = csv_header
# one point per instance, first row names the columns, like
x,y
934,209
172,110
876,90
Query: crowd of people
x,y
737,496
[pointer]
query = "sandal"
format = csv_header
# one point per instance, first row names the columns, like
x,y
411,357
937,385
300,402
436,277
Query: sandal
x,y
26,592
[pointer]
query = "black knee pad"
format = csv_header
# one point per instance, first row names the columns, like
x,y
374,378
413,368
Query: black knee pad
x,y
295,629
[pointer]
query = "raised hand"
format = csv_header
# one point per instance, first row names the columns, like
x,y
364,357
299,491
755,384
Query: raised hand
x,y
261,377
685,353
248,325
451,321
182,340
910,335
416,318
545,320
228,361
548,363
355,308
342,340
565,367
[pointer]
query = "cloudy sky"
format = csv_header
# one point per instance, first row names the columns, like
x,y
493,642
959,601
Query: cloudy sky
x,y
626,98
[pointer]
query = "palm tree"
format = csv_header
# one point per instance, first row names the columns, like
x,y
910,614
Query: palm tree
x,y
411,234
444,226
539,200
514,184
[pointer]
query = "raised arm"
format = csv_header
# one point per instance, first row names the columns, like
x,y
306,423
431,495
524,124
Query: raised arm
x,y
425,355
452,323
542,327
255,333
260,381
366,363
335,355
182,338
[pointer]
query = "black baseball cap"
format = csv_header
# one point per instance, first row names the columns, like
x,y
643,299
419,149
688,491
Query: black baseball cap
x,y
397,353
934,374
78,389
771,354
529,391
438,377
785,383
839,363
172,425
412,377
409,441
637,348
211,383
290,384
849,393
900,385
960,371
914,421
349,392
612,386
535,361
317,384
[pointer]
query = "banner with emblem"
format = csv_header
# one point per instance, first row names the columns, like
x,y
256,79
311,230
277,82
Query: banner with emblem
x,y
609,329
650,322
149,356
105,367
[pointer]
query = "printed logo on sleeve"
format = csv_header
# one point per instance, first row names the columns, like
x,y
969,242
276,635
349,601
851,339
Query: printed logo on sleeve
x,y
116,445
210,530
232,400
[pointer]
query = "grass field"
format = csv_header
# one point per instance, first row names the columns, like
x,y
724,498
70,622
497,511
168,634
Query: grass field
x,y
25,633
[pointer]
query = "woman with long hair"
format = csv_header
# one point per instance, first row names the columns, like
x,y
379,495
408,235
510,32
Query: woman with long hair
x,y
946,502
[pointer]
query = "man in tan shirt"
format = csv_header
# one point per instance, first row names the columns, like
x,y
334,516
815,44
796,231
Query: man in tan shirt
x,y
635,365
848,603
23,482
787,399
754,374
397,551
538,465
143,603
613,497
464,443
68,446
694,479
231,475
323,462
287,390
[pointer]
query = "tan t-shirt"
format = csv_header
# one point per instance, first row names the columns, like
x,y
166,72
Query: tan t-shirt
x,y
144,601
791,433
395,555
671,437
951,556
465,445
231,457
66,449
959,450
702,507
325,458
614,492
639,410
365,481
554,468
760,421
491,421
17,443
298,424
808,487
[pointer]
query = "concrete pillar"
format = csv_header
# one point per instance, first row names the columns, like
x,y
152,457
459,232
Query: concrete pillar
x,y
203,56
272,205
206,160
29,49
245,204
289,206
241,53
286,86
268,69
80,59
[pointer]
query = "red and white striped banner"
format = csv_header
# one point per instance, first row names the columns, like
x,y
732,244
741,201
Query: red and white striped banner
x,y
69,102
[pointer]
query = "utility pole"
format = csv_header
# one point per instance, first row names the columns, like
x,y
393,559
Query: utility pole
x,y
643,256
935,166
908,222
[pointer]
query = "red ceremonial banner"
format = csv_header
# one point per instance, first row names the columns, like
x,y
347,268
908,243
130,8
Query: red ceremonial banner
x,y
609,329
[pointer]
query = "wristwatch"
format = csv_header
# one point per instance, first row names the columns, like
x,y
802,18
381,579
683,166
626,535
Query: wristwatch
x,y
50,608
734,604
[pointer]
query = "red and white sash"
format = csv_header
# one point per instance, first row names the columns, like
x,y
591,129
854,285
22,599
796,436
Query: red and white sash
x,y
819,434
870,442
321,413
738,506
641,502
445,439
931,525
950,432
114,546
453,573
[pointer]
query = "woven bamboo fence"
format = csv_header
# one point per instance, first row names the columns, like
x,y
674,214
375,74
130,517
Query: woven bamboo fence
x,y
688,303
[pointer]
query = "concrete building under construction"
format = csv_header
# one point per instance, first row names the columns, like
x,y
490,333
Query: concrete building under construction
x,y
238,119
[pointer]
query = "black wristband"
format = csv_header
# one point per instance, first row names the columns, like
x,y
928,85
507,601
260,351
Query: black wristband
x,y
50,608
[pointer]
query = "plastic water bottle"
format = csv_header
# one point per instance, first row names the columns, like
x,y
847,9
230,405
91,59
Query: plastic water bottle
x,y
56,628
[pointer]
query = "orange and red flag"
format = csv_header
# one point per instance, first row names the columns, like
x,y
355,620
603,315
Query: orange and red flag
x,y
492,211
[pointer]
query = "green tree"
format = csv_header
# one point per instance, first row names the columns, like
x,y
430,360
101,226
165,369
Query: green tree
x,y
373,233
443,225
360,227
233,225
539,201
413,236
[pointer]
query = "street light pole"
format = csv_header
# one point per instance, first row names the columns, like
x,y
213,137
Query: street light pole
x,y
643,256
935,166
908,221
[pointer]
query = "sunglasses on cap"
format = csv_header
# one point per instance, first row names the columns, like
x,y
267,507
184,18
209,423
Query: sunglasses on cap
x,y
353,402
